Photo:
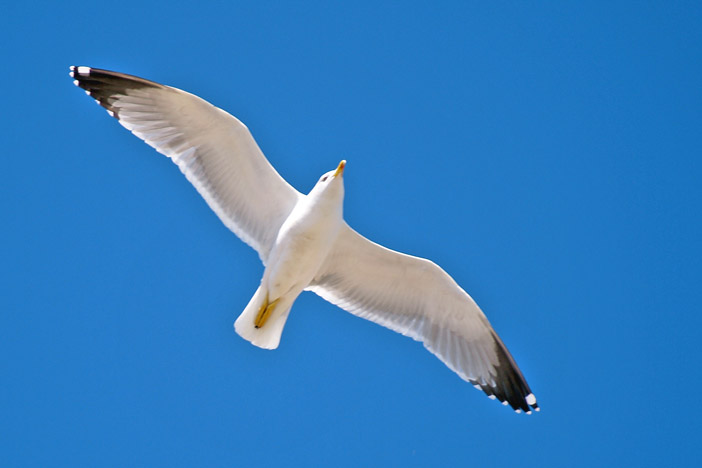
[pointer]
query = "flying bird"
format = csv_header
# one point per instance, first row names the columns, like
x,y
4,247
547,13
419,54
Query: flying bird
x,y
303,240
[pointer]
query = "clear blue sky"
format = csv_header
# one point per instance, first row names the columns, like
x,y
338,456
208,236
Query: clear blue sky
x,y
546,154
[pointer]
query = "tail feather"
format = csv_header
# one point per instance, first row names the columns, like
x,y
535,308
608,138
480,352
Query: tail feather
x,y
268,336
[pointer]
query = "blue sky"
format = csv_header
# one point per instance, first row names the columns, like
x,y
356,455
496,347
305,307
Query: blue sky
x,y
546,154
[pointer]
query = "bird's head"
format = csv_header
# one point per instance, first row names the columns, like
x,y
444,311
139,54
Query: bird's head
x,y
331,185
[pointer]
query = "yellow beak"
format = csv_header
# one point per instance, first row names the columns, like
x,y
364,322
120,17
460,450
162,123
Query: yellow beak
x,y
340,169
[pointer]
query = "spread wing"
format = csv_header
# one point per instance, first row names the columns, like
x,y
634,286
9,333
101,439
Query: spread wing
x,y
415,297
213,149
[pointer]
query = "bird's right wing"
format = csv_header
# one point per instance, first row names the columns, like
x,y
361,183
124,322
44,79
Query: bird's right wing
x,y
212,148
415,297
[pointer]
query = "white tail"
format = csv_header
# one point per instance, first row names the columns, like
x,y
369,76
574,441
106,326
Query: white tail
x,y
268,336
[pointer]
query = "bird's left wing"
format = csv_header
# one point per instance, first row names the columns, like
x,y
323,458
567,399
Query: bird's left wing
x,y
415,297
212,148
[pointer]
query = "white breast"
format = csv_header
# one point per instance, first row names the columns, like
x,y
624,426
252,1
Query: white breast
x,y
302,245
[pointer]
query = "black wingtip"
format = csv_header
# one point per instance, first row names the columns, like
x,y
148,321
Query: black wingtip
x,y
509,386
105,86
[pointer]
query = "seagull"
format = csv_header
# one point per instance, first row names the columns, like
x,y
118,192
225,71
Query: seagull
x,y
303,240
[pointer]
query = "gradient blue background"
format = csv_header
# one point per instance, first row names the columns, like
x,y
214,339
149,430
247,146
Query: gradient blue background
x,y
546,154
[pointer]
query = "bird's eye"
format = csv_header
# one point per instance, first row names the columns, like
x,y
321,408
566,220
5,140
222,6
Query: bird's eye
x,y
325,178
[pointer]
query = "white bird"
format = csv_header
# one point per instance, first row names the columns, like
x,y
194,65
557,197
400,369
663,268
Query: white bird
x,y
303,240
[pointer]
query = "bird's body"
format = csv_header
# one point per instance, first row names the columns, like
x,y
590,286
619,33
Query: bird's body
x,y
303,240
302,245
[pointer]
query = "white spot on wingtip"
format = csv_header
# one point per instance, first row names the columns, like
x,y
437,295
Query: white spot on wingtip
x,y
528,412
504,403
75,82
87,92
492,397
531,399
518,411
83,70
477,386
538,409
112,114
